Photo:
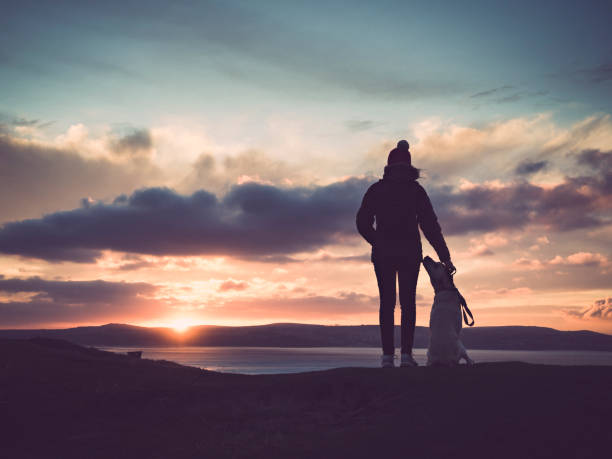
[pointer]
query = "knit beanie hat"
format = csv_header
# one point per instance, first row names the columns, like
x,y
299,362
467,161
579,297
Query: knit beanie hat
x,y
400,154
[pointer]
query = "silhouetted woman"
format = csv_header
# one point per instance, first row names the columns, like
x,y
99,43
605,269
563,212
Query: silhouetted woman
x,y
399,205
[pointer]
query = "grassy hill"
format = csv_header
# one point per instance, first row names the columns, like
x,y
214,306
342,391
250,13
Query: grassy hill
x,y
58,399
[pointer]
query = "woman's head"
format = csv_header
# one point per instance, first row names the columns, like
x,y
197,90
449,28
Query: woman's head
x,y
400,154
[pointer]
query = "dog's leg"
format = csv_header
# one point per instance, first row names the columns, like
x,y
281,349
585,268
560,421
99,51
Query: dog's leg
x,y
465,355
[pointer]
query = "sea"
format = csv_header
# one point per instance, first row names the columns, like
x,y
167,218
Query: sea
x,y
271,360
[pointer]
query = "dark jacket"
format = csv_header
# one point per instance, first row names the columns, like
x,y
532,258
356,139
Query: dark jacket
x,y
399,205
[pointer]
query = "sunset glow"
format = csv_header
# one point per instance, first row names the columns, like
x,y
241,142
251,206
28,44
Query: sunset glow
x,y
181,325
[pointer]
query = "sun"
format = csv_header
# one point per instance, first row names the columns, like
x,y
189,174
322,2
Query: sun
x,y
181,325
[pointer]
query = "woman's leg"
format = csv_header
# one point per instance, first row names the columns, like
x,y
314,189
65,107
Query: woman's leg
x,y
385,276
407,279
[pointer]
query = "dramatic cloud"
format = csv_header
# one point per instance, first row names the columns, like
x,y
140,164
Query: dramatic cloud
x,y
38,301
600,309
254,220
580,202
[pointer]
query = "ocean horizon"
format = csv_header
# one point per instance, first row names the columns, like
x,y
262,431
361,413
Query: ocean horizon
x,y
275,360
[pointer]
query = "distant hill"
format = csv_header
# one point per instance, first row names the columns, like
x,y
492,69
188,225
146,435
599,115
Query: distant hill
x,y
304,335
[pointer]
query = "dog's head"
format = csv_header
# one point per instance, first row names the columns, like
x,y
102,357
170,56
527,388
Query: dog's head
x,y
438,275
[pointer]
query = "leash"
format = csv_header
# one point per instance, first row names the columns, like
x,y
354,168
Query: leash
x,y
464,307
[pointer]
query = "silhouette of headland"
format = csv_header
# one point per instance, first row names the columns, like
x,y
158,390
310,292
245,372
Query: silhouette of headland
x,y
305,335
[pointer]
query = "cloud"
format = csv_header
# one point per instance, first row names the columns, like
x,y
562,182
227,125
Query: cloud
x,y
21,121
589,76
247,166
231,284
519,96
36,178
34,301
18,125
449,152
600,309
320,257
503,292
597,74
596,159
310,307
131,262
581,259
24,122
576,259
491,91
251,220
528,264
530,167
500,96
480,250
137,142
579,202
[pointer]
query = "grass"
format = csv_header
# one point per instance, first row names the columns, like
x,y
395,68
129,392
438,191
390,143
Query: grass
x,y
62,400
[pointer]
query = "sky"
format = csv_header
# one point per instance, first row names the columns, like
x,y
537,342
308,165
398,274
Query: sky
x,y
181,163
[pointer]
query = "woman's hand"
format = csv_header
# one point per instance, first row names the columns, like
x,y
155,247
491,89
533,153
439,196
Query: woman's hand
x,y
450,267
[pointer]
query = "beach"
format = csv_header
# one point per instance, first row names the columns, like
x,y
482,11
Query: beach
x,y
64,400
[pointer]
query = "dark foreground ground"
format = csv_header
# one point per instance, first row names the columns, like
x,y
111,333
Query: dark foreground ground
x,y
59,400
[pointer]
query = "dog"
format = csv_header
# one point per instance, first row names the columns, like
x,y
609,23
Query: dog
x,y
445,346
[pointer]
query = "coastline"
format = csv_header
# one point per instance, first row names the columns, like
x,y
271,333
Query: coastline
x,y
276,360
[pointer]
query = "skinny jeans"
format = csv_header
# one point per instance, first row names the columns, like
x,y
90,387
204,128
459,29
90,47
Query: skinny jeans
x,y
407,272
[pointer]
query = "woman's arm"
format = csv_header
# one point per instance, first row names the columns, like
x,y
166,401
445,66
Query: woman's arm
x,y
365,217
428,221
